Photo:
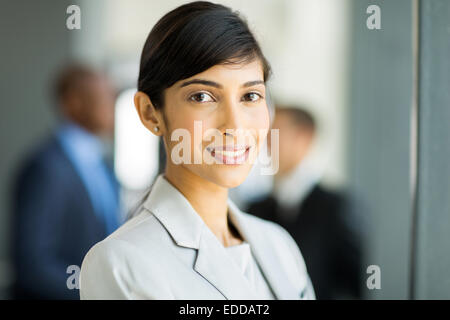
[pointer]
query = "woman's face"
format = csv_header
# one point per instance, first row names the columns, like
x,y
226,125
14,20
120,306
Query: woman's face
x,y
222,116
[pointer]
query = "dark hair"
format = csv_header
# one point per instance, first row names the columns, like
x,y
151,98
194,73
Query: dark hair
x,y
299,116
191,39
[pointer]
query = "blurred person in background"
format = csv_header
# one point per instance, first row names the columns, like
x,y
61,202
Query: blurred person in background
x,y
317,218
66,196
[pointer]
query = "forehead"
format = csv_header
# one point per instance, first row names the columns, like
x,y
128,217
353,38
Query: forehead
x,y
234,73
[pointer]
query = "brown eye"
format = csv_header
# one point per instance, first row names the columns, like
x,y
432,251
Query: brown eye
x,y
201,97
252,96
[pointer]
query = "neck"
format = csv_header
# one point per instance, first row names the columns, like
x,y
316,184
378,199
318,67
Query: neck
x,y
208,199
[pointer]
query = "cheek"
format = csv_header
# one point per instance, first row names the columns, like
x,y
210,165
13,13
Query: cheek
x,y
177,118
260,118
259,122
193,125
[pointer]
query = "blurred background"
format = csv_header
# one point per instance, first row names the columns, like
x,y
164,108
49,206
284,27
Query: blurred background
x,y
369,109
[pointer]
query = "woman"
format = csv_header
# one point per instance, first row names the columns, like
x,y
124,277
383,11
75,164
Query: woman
x,y
202,77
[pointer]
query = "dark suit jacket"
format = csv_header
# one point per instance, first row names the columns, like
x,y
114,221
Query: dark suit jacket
x,y
330,247
54,224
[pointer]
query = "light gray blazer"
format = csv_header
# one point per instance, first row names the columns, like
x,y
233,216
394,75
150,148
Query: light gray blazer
x,y
167,252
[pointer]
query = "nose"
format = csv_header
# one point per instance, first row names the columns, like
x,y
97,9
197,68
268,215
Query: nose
x,y
232,118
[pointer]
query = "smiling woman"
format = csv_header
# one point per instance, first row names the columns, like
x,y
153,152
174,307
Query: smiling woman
x,y
200,65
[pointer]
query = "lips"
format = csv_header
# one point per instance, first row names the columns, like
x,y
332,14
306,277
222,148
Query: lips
x,y
230,154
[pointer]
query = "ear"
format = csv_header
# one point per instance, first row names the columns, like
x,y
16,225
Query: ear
x,y
150,117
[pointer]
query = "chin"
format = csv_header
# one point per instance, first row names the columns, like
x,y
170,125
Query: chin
x,y
229,177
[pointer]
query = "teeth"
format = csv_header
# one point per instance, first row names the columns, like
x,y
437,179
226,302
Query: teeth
x,y
230,153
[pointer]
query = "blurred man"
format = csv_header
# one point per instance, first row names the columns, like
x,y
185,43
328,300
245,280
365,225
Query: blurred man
x,y
66,196
316,218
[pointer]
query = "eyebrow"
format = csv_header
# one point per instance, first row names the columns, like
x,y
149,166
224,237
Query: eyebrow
x,y
217,85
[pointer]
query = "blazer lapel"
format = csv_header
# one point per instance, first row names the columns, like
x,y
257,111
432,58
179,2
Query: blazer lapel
x,y
216,266
188,230
264,255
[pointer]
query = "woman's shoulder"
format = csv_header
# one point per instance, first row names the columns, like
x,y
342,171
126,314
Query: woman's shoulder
x,y
126,256
142,233
143,229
